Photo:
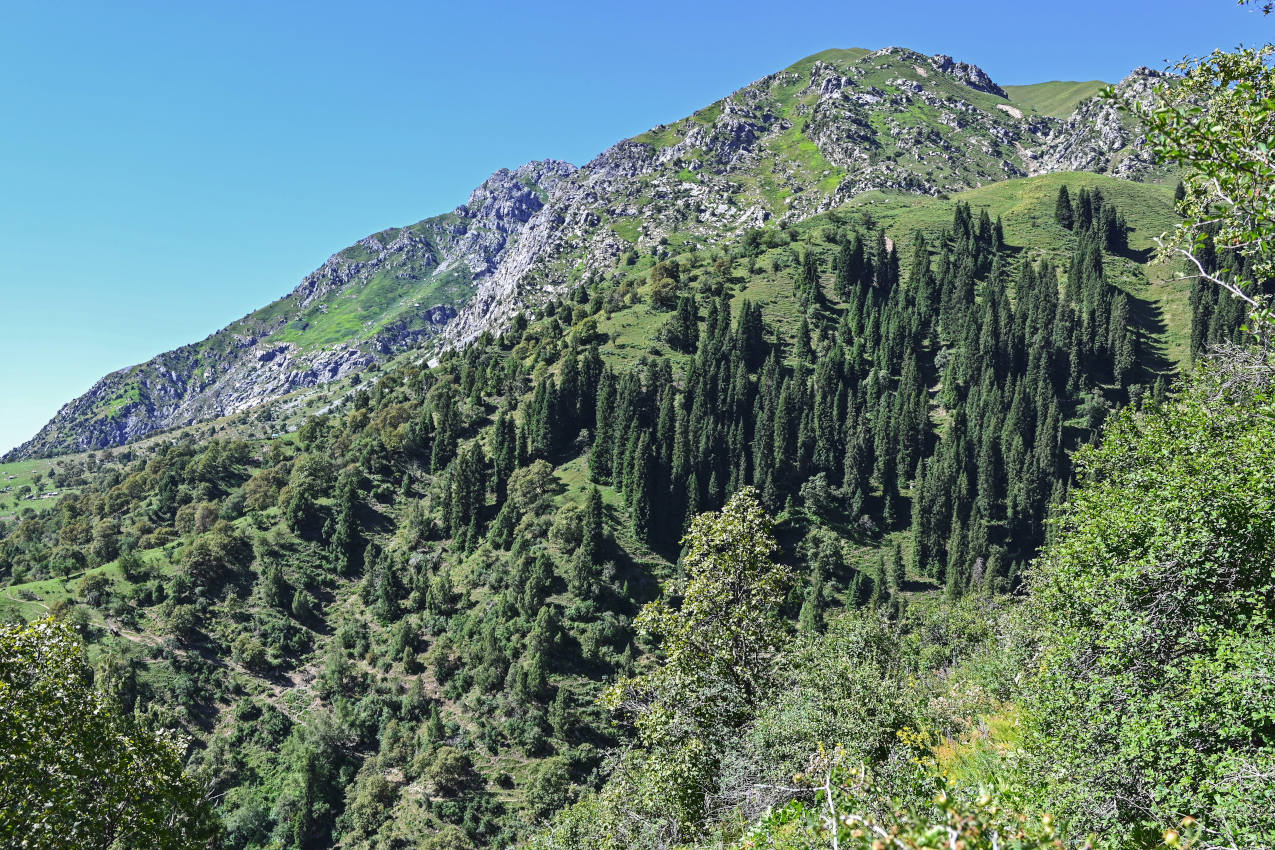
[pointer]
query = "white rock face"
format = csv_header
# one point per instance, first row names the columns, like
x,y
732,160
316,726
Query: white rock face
x,y
1098,137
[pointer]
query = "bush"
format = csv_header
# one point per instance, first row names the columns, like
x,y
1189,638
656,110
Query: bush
x,y
451,771
549,788
249,652
1155,616
842,815
95,589
447,838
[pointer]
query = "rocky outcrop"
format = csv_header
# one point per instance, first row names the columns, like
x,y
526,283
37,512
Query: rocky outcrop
x,y
971,75
1100,137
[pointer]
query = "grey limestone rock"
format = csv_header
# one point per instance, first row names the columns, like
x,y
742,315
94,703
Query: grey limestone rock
x,y
248,363
972,75
1099,137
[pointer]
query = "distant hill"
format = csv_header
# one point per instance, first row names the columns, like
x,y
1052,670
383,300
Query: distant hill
x,y
1057,99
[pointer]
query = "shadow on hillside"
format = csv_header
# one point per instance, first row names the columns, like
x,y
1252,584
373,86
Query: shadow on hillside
x,y
921,585
1153,329
1142,256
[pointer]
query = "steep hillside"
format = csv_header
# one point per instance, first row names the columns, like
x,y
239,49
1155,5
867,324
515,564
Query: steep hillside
x,y
391,625
791,145
804,140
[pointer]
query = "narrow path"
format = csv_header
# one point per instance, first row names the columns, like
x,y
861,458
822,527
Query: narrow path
x,y
8,592
118,630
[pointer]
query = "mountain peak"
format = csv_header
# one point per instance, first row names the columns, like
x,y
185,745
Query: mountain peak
x,y
832,56
963,72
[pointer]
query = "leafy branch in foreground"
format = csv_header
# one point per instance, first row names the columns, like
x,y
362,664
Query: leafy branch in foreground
x,y
840,818
76,771
1154,613
717,647
1217,120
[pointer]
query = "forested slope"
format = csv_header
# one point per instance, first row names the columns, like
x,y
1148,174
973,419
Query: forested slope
x,y
392,626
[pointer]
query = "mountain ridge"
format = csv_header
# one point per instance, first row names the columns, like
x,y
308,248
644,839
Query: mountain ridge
x,y
310,336
845,137
795,143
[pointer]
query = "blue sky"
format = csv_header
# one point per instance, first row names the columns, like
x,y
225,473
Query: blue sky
x,y
167,167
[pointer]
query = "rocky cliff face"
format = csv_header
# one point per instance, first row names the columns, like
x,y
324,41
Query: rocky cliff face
x,y
788,146
1099,137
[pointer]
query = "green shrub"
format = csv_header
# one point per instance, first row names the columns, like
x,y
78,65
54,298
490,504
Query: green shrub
x,y
1155,615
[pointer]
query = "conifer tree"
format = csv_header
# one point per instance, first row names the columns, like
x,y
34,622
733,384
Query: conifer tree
x,y
584,572
804,352
810,618
809,290
345,540
504,455
641,487
849,266
447,427
1084,211
897,575
601,458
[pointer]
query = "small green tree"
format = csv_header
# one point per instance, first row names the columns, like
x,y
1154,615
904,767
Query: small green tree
x,y
549,788
451,772
76,772
447,838
717,646
1063,213
810,618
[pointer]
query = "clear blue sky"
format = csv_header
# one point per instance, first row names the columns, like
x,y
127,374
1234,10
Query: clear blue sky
x,y
167,167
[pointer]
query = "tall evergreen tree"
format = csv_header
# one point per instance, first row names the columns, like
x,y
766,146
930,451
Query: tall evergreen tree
x,y
1063,213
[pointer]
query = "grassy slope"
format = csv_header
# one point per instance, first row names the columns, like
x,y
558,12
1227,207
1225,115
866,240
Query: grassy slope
x,y
34,599
1057,98
367,304
1026,208
22,474
281,416
838,55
